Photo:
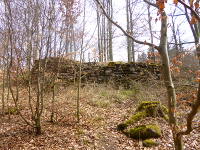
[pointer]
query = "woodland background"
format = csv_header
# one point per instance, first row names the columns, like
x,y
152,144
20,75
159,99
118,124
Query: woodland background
x,y
43,107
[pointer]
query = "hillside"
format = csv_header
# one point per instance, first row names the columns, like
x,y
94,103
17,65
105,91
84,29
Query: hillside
x,y
102,108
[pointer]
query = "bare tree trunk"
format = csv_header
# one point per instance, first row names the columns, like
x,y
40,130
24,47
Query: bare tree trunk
x,y
3,87
174,33
99,35
52,105
80,67
151,34
132,33
169,84
110,32
128,29
130,42
105,33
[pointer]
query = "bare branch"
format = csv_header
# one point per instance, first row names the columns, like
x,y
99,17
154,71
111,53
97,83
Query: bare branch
x,y
191,9
126,33
192,114
176,15
182,43
150,3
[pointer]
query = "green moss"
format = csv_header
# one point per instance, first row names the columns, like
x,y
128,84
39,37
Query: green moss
x,y
146,109
144,104
138,116
153,64
144,132
165,115
155,128
12,111
153,109
112,63
128,93
137,132
149,143
164,109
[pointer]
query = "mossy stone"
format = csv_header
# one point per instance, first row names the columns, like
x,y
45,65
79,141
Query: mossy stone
x,y
136,117
112,64
145,109
144,132
149,143
12,111
122,126
153,109
164,108
144,104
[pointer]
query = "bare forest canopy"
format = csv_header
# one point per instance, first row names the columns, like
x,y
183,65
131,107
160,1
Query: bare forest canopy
x,y
59,78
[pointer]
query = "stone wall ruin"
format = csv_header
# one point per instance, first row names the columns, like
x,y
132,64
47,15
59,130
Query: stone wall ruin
x,y
94,72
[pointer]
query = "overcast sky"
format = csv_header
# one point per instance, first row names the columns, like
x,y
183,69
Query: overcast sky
x,y
119,42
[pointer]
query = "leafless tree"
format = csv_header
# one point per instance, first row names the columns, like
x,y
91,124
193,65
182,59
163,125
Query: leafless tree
x,y
105,33
162,49
34,31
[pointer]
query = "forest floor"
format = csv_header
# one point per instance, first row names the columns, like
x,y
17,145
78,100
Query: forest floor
x,y
102,109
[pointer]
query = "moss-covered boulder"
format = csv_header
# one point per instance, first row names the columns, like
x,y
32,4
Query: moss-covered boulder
x,y
145,109
144,104
144,132
153,109
149,143
136,117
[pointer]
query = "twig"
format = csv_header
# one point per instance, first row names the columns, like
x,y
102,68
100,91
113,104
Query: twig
x,y
125,32
191,9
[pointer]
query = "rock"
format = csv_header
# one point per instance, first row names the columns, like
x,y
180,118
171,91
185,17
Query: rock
x,y
153,109
122,126
144,132
136,117
117,72
145,109
149,143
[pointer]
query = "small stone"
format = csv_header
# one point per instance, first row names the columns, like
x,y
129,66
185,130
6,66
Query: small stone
x,y
149,143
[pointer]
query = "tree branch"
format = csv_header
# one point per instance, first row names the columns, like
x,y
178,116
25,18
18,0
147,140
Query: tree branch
x,y
182,43
191,9
191,115
191,26
150,3
126,33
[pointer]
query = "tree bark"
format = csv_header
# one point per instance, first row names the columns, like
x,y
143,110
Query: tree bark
x,y
38,129
151,33
110,32
128,30
169,83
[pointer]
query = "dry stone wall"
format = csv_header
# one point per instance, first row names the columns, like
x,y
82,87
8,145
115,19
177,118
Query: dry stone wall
x,y
116,72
